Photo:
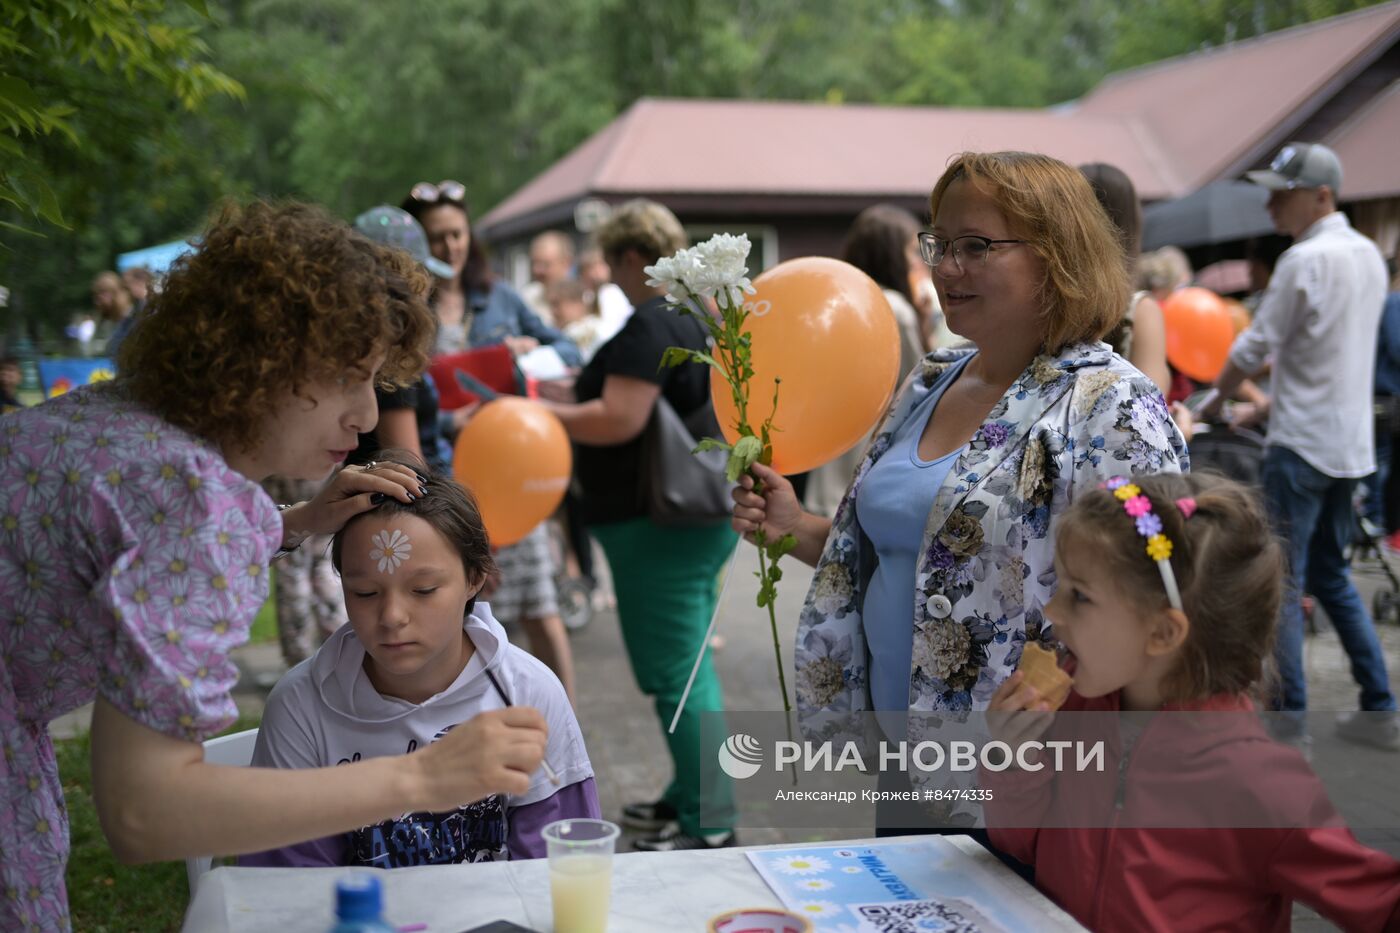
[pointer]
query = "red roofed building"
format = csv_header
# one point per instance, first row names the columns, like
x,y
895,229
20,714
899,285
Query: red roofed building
x,y
797,173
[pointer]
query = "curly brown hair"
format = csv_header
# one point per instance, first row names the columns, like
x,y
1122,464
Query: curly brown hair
x,y
278,296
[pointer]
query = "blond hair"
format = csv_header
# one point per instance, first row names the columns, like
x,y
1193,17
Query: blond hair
x,y
644,226
1052,207
1164,270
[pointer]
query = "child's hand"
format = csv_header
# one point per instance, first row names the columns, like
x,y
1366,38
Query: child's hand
x,y
495,752
1018,713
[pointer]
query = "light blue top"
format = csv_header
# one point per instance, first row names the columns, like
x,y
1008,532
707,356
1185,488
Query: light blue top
x,y
892,509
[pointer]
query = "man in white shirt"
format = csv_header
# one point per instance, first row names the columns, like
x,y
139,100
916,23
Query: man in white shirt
x,y
1319,321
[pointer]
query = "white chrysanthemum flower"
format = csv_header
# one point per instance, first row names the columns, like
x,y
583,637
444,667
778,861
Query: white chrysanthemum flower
x,y
853,869
801,865
663,272
713,269
725,268
815,884
726,254
390,549
677,274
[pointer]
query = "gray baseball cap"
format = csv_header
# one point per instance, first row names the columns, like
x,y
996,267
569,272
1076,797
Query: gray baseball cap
x,y
1301,165
390,226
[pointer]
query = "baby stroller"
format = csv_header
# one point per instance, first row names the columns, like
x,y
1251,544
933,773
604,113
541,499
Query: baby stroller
x,y
1239,454
1367,538
1366,548
1234,452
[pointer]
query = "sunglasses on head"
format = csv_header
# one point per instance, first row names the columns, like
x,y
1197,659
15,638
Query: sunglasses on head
x,y
425,192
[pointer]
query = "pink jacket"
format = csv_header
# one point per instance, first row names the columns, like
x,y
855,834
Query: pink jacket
x,y
1105,863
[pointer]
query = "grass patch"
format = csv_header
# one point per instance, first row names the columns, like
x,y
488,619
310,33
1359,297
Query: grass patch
x,y
104,895
264,627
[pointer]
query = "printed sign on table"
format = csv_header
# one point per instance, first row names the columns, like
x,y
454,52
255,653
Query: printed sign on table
x,y
917,887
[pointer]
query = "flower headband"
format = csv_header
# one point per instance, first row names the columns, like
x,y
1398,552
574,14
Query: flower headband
x,y
1159,546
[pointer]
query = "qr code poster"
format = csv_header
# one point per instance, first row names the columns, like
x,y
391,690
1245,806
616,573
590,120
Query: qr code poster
x,y
823,883
930,916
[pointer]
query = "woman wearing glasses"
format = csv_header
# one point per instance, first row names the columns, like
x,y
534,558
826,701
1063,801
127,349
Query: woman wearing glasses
x,y
475,310
937,568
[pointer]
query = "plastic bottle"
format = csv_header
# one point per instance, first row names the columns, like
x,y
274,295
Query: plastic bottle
x,y
359,905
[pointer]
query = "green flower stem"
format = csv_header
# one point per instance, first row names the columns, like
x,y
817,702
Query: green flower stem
x,y
731,356
761,540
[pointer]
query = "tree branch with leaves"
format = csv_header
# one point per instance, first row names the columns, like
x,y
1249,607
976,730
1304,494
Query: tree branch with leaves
x,y
46,45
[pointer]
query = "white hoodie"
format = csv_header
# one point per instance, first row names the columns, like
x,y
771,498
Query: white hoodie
x,y
326,712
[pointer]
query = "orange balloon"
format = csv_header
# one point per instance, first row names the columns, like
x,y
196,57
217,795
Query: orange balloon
x,y
514,456
825,329
1199,332
1239,315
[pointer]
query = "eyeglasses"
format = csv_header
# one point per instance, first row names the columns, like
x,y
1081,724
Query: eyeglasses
x,y
425,192
972,248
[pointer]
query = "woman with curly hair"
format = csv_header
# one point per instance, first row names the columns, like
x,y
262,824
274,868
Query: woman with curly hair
x,y
134,550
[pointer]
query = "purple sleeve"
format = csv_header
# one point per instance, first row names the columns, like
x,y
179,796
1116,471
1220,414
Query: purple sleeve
x,y
577,801
329,852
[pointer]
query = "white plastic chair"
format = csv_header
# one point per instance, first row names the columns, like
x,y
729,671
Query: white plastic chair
x,y
235,749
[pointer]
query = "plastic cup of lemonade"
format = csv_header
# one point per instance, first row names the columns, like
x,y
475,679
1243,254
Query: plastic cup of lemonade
x,y
580,873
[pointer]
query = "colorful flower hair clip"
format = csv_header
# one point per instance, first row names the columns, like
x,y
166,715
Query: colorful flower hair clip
x,y
1149,526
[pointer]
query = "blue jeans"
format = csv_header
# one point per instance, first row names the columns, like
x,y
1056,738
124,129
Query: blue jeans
x,y
1376,506
1312,514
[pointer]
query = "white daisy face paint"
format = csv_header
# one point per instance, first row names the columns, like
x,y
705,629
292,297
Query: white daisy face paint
x,y
391,548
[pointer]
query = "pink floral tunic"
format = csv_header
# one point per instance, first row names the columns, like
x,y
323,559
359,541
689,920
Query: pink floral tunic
x,y
132,558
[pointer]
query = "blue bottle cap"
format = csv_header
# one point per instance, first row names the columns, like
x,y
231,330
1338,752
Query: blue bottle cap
x,y
358,897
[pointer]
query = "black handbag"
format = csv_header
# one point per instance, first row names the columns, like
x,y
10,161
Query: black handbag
x,y
678,487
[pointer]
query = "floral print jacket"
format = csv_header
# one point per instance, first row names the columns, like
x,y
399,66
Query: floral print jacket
x,y
986,569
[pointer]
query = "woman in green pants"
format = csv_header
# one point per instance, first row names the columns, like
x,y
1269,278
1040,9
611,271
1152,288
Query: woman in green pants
x,y
664,576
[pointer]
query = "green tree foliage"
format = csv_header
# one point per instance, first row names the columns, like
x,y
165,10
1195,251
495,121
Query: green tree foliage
x,y
74,74
119,109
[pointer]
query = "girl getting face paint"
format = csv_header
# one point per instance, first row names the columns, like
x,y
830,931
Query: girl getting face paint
x,y
391,548
406,592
